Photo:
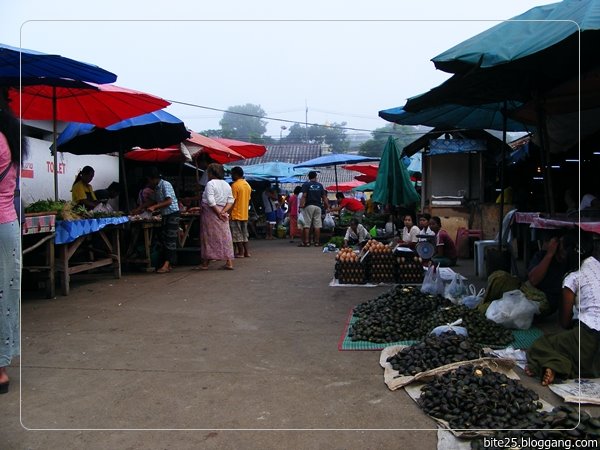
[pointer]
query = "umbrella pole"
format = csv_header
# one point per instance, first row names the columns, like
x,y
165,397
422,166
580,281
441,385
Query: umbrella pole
x,y
54,143
122,161
544,157
504,126
336,178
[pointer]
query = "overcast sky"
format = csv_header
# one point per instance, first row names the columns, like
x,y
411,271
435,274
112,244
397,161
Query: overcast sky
x,y
344,60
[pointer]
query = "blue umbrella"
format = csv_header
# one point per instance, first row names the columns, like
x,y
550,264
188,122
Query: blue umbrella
x,y
334,159
274,169
20,64
157,129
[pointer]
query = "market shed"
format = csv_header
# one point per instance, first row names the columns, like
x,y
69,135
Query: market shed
x,y
460,178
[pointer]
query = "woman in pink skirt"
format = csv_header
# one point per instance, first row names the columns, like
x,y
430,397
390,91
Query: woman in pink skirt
x,y
215,234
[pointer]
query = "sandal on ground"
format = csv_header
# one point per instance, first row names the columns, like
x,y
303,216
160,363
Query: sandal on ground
x,y
317,244
4,387
200,268
226,267
302,244
161,270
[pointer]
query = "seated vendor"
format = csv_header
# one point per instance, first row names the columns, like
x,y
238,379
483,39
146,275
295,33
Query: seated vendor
x,y
356,234
445,250
545,273
409,232
350,204
562,355
82,192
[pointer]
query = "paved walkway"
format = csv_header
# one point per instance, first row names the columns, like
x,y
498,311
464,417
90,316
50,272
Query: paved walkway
x,y
207,353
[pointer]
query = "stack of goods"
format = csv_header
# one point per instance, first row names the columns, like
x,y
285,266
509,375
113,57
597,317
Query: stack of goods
x,y
434,351
382,267
409,269
477,397
549,426
404,313
348,268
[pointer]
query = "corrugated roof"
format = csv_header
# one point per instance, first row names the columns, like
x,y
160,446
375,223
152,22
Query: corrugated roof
x,y
293,154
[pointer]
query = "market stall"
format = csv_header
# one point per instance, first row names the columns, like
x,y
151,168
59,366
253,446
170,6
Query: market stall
x,y
139,250
38,232
103,249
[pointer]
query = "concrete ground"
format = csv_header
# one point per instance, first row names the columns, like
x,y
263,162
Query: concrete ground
x,y
243,359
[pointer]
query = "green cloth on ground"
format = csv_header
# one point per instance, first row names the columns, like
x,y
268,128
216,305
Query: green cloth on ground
x,y
560,352
501,281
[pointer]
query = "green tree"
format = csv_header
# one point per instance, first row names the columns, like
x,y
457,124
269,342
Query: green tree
x,y
246,125
403,134
212,132
331,135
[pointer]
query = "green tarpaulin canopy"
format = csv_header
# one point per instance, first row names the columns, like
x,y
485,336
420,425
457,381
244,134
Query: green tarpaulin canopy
x,y
393,185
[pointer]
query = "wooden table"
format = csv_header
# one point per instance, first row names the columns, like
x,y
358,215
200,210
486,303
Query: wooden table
x,y
186,221
38,232
142,229
102,234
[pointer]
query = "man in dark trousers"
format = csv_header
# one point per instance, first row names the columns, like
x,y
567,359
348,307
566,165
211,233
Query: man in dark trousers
x,y
314,196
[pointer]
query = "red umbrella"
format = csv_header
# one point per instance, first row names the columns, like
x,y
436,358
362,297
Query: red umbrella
x,y
366,169
343,187
197,144
171,154
365,178
246,149
98,104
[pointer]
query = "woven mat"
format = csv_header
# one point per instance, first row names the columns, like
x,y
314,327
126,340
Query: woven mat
x,y
522,339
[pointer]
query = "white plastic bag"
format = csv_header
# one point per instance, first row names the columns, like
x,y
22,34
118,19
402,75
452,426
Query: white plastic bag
x,y
301,220
328,221
474,298
513,310
450,327
433,283
455,290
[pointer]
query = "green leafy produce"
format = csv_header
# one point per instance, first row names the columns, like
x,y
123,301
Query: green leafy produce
x,y
47,205
338,241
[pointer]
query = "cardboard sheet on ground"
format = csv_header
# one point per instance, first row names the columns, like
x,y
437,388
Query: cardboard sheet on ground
x,y
570,390
394,380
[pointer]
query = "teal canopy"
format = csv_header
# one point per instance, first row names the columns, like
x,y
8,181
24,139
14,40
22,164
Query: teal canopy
x,y
552,27
393,185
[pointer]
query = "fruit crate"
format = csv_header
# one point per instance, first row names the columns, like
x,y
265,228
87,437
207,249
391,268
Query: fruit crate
x,y
409,270
351,272
382,268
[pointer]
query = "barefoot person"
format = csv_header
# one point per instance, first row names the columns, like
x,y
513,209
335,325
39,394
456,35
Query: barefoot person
x,y
11,152
215,234
561,355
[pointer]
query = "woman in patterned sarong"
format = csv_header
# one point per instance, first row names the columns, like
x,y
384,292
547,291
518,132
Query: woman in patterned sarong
x,y
215,235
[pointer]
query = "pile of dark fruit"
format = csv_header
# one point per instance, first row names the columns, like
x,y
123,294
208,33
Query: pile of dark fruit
x,y
473,397
434,351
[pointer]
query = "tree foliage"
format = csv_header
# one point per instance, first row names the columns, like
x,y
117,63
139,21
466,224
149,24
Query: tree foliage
x,y
403,134
331,135
247,125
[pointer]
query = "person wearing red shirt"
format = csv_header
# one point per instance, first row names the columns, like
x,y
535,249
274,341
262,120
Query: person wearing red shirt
x,y
351,204
445,250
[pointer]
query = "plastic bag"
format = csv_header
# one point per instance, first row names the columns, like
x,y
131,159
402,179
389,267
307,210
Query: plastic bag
x,y
450,327
301,220
456,289
433,283
474,298
373,231
513,310
328,221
